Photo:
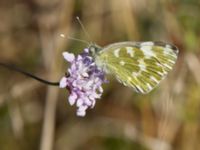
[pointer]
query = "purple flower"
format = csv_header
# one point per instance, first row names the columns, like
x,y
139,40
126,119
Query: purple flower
x,y
83,82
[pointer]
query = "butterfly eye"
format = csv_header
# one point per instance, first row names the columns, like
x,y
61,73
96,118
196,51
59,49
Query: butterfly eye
x,y
93,49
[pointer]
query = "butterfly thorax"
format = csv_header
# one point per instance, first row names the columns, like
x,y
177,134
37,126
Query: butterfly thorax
x,y
95,51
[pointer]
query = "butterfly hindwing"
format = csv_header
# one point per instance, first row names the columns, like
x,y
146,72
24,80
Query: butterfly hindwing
x,y
140,65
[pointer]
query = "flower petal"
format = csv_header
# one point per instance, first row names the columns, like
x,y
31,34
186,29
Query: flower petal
x,y
72,98
80,113
63,82
100,89
87,101
68,56
94,96
82,108
93,103
86,50
79,102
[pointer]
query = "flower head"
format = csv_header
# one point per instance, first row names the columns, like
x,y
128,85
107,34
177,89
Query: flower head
x,y
83,82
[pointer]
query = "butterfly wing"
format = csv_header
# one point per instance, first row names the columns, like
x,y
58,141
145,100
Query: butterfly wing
x,y
139,65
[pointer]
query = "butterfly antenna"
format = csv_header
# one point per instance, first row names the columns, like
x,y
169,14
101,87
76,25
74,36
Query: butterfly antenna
x,y
83,28
79,40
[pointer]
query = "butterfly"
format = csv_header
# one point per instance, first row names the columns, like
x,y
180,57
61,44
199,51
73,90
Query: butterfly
x,y
139,65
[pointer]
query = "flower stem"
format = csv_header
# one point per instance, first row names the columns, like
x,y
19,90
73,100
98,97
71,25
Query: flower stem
x,y
19,70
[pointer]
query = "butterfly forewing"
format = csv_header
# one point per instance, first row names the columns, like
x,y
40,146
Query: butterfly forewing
x,y
140,65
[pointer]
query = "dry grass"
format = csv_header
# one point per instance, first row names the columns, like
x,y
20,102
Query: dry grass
x,y
34,116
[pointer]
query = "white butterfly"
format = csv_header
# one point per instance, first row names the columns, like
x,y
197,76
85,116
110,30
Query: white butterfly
x,y
139,65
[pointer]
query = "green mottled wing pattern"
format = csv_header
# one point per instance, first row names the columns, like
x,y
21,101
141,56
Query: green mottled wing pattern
x,y
139,65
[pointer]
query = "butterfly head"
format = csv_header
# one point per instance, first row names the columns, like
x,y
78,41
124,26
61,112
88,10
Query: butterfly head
x,y
94,49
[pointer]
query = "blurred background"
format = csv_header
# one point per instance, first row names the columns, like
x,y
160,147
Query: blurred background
x,y
34,116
